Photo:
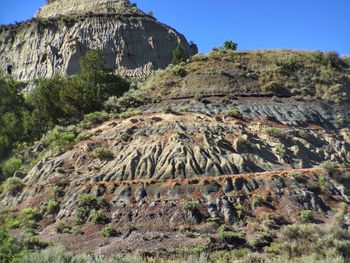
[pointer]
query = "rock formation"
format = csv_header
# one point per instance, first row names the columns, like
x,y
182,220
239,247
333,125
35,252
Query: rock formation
x,y
55,8
133,43
169,146
220,152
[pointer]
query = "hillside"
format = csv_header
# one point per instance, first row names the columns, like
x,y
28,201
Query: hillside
x,y
234,156
302,74
223,173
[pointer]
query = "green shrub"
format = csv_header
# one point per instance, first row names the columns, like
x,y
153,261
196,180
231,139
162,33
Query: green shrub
x,y
129,113
295,175
275,88
77,229
274,132
61,140
322,180
332,60
52,207
85,204
230,45
30,214
263,239
133,10
242,253
268,222
124,103
240,211
54,254
102,153
189,206
233,112
13,185
178,70
86,200
11,250
109,231
66,20
34,243
199,97
306,215
231,237
11,166
59,254
93,61
179,55
87,91
62,97
337,93
280,150
62,228
340,120
216,220
168,110
82,136
42,21
56,100
198,250
81,215
94,118
4,145
300,240
13,223
45,99
125,136
183,109
99,216
58,191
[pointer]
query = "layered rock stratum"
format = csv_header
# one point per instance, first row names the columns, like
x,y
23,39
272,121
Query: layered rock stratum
x,y
134,44
191,169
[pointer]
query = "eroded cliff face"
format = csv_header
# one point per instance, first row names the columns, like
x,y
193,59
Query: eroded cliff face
x,y
189,145
134,44
197,168
251,163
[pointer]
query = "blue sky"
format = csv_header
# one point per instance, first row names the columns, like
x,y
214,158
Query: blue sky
x,y
253,24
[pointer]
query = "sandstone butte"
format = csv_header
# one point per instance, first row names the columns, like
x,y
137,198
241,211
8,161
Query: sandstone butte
x,y
134,43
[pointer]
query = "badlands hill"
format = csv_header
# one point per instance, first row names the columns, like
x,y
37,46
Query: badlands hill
x,y
191,168
228,156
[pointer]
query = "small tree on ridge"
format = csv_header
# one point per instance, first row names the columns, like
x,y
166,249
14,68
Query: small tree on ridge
x,y
179,55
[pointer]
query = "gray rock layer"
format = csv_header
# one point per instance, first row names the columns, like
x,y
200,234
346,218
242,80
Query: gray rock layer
x,y
134,45
284,110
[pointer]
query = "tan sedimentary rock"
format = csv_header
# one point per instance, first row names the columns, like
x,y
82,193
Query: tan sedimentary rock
x,y
133,43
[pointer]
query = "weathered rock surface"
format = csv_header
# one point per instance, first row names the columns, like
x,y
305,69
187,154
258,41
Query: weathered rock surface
x,y
190,145
287,111
134,44
74,7
189,170
183,205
